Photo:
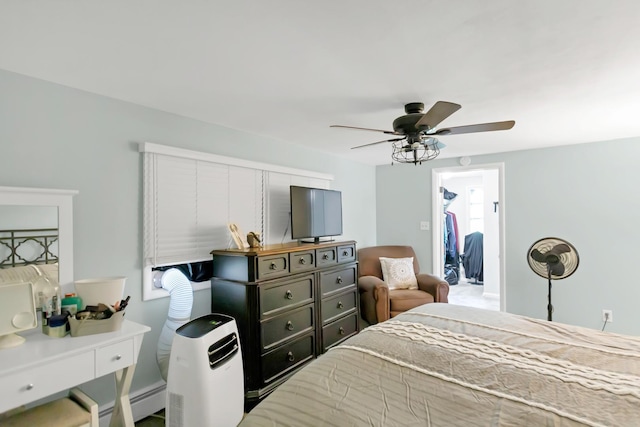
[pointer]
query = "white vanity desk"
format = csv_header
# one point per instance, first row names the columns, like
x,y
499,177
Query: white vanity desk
x,y
44,365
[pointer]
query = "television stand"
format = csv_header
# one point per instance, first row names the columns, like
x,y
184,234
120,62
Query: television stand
x,y
292,302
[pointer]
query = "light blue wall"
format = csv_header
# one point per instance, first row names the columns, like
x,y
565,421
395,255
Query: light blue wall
x,y
586,194
56,137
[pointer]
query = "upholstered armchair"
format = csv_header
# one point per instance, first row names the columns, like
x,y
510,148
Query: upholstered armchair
x,y
380,300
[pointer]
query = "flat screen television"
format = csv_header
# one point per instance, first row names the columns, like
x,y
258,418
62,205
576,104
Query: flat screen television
x,y
315,213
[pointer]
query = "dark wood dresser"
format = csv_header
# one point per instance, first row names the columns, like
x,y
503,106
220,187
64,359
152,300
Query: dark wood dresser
x,y
292,302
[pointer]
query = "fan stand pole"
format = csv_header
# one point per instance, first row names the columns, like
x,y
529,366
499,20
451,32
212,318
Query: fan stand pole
x,y
549,306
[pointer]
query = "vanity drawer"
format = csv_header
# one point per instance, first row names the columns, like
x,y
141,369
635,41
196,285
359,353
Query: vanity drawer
x,y
346,253
273,266
334,307
337,280
286,326
326,257
276,298
338,331
302,261
114,357
287,357
24,387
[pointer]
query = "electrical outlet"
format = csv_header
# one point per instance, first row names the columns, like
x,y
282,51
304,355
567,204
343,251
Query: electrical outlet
x,y
607,316
424,225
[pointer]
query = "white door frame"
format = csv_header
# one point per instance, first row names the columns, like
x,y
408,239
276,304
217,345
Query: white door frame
x,y
438,230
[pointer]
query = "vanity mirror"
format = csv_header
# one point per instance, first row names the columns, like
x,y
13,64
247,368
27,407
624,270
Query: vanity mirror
x,y
37,227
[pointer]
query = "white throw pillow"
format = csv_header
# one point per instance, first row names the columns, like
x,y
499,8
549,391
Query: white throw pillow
x,y
398,273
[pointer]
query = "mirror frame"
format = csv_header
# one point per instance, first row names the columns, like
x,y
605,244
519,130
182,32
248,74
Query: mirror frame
x,y
63,200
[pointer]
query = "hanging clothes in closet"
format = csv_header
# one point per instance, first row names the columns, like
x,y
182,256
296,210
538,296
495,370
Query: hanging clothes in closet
x,y
472,258
451,241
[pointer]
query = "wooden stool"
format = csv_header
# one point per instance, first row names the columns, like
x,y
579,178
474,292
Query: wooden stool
x,y
76,410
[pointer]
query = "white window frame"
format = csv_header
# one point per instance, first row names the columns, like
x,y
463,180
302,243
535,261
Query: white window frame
x,y
470,204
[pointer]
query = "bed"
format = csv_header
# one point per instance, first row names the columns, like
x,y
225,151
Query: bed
x,y
448,365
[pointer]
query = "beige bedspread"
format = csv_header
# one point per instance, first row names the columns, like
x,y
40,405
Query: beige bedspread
x,y
447,365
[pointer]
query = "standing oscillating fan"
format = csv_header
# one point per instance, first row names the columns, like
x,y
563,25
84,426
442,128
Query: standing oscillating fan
x,y
552,258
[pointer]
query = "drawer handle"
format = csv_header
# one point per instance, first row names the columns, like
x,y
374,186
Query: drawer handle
x,y
339,280
345,253
273,266
290,357
30,386
341,330
302,261
325,256
340,305
289,325
289,294
118,356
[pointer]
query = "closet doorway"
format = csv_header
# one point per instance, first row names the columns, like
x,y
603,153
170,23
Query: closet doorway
x,y
468,210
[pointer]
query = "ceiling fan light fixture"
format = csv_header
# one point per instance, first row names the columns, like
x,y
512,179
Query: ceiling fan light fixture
x,y
415,153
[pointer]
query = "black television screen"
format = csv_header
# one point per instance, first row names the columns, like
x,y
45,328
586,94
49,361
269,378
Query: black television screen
x,y
315,213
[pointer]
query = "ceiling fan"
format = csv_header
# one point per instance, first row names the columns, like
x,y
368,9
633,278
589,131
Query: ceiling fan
x,y
417,132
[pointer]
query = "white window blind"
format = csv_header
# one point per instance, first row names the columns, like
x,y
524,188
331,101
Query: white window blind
x,y
192,202
191,197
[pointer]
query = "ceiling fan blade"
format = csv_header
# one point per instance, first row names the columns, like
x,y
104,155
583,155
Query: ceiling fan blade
x,y
440,111
388,132
483,127
378,142
557,269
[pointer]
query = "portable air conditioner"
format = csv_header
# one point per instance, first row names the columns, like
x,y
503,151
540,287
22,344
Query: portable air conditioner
x,y
205,383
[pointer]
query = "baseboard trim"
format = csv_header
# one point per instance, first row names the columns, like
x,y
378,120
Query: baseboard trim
x,y
144,402
490,295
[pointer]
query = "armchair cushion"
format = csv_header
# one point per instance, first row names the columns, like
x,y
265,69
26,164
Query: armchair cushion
x,y
398,273
401,300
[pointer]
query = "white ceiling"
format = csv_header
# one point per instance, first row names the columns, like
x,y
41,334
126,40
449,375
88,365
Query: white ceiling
x,y
567,71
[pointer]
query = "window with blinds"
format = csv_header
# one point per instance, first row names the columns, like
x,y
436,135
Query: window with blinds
x,y
191,197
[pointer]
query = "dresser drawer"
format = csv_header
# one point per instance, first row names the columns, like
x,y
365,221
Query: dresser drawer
x,y
273,266
276,298
346,253
339,330
114,357
326,257
302,261
287,357
286,326
21,388
337,306
337,280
